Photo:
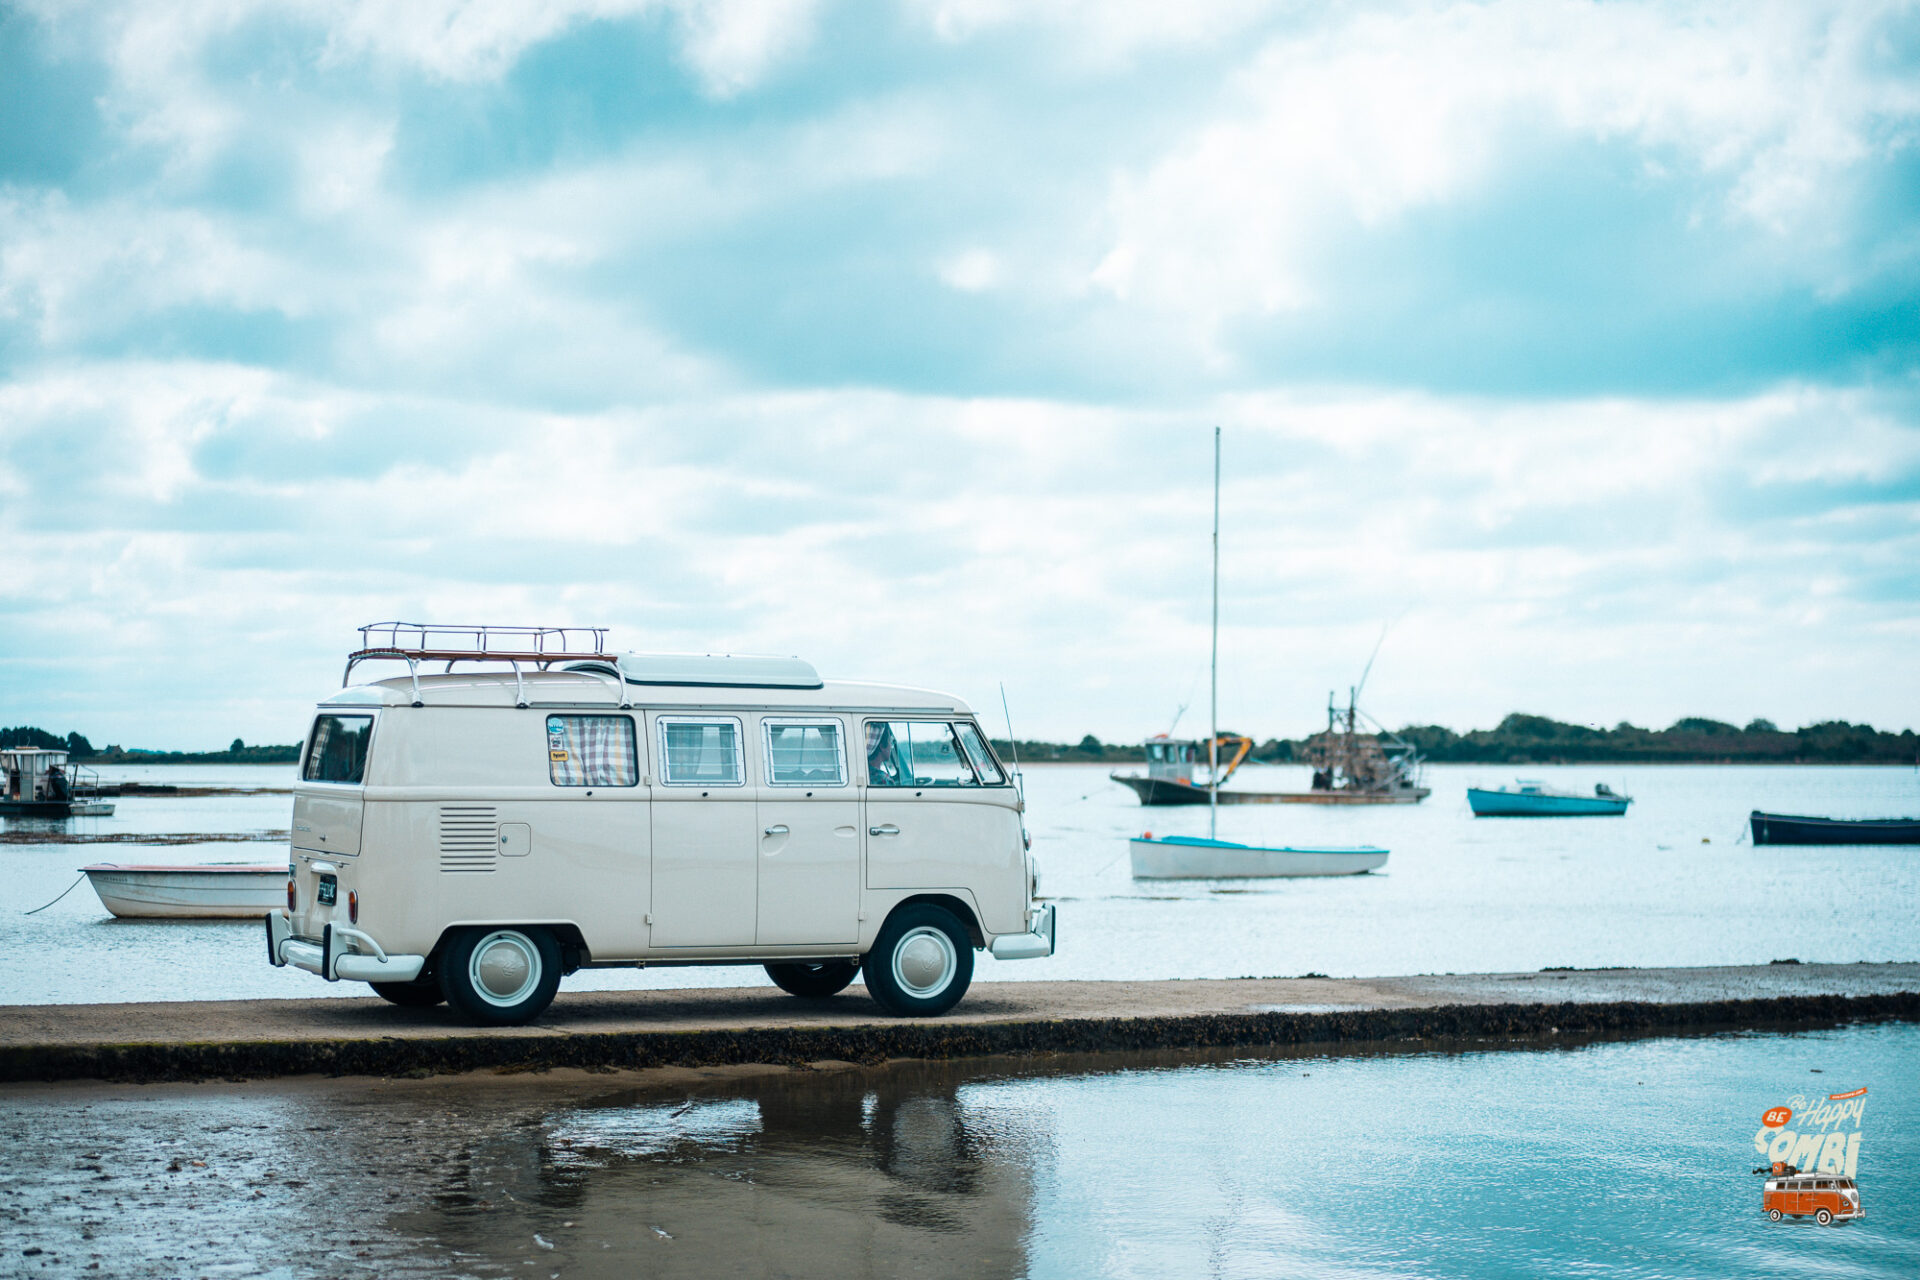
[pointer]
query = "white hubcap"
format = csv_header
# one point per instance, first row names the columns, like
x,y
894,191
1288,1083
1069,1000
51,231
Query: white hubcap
x,y
505,968
924,962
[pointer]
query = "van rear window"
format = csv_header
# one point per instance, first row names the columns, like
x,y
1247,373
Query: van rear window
x,y
337,751
592,751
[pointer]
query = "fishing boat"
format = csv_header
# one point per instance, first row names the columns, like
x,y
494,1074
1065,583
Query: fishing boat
x,y
1530,799
1192,858
1174,764
212,891
1783,828
37,782
1354,765
1188,857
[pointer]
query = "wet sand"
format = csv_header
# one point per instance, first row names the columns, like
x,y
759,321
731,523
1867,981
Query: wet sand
x,y
702,1028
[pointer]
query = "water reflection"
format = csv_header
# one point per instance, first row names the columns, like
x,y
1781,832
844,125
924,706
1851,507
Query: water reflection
x,y
1484,1161
814,1173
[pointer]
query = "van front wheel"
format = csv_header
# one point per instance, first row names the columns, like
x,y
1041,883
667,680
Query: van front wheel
x,y
921,963
814,981
1823,1217
500,977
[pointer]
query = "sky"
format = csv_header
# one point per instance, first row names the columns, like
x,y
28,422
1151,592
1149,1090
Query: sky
x,y
1574,348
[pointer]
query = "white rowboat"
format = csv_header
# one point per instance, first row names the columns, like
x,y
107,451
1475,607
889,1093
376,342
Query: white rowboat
x,y
1192,858
220,890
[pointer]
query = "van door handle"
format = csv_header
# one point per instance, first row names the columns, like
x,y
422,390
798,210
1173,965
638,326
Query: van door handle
x,y
778,829
887,830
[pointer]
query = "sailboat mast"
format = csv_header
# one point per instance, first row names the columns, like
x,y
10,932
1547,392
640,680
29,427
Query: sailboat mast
x,y
1213,665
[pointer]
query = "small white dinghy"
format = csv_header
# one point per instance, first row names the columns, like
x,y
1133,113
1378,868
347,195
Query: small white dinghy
x,y
1195,858
214,891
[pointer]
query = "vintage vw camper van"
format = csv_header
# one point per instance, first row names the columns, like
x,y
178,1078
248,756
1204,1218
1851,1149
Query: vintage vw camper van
x,y
475,835
1826,1197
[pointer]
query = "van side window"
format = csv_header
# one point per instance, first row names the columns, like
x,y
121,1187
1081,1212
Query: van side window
x,y
915,753
806,753
700,751
592,751
983,761
337,752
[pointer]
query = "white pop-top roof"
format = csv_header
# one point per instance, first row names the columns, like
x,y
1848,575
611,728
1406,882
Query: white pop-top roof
x,y
588,689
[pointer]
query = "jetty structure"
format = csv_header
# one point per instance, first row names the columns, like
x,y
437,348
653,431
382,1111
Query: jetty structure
x,y
38,782
744,1026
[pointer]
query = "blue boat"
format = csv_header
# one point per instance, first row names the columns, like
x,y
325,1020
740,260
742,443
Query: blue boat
x,y
1527,799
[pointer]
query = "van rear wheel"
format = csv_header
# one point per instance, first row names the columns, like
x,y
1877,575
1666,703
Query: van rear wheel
x,y
1774,1214
410,995
922,962
814,981
501,976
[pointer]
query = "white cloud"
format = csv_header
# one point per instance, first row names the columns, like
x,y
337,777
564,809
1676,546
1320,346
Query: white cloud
x,y
971,270
734,43
1592,559
1330,132
73,272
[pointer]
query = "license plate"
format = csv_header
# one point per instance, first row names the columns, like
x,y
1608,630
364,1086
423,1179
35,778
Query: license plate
x,y
329,891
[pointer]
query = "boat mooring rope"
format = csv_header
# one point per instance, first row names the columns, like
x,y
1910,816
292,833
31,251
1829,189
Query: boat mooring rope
x,y
63,893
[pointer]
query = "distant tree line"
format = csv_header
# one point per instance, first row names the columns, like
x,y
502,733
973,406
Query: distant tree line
x,y
1528,739
1518,739
1525,739
81,749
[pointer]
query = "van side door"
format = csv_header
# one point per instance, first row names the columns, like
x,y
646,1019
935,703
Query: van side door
x,y
705,854
934,821
809,834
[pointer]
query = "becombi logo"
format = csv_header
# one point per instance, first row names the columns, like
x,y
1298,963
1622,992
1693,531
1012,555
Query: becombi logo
x,y
1811,1167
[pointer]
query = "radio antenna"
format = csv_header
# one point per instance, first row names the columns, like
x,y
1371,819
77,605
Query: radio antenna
x,y
1013,746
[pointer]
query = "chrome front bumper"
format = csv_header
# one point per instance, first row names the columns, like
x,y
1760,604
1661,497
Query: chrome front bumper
x,y
1027,946
337,954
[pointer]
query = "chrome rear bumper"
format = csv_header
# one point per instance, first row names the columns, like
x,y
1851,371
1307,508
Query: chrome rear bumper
x,y
1027,946
337,954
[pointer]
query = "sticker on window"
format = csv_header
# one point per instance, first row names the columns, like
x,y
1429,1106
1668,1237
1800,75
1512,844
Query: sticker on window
x,y
592,751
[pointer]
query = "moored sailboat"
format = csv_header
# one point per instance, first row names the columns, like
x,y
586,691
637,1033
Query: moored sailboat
x,y
1190,858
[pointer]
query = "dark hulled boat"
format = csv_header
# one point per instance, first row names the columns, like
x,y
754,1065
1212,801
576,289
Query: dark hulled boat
x,y
1784,828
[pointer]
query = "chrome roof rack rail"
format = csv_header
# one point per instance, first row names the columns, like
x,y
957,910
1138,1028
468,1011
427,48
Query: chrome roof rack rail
x,y
536,647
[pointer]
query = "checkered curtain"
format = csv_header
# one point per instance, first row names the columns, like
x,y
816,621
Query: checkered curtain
x,y
592,751
702,753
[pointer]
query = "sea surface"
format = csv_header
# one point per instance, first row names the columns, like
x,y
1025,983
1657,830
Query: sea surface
x,y
1626,1158
1674,882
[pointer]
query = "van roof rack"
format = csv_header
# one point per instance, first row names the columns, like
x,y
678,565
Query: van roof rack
x,y
519,647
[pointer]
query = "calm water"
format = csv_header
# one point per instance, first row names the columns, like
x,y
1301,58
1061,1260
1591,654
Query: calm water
x,y
1675,882
1618,1158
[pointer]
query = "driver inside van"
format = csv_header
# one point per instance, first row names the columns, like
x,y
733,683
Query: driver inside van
x,y
884,768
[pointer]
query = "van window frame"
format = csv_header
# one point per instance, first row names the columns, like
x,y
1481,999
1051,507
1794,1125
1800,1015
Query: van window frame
x,y
769,723
639,766
986,744
951,725
306,750
666,758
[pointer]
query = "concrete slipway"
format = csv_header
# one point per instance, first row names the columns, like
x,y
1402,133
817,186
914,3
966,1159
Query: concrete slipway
x,y
685,1028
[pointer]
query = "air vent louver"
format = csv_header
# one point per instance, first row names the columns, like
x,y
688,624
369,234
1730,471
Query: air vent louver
x,y
469,837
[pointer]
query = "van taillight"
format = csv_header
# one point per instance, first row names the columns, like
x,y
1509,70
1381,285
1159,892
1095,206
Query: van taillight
x,y
353,907
289,895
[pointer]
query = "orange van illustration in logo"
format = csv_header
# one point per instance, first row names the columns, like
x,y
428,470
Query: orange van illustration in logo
x,y
1812,1165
